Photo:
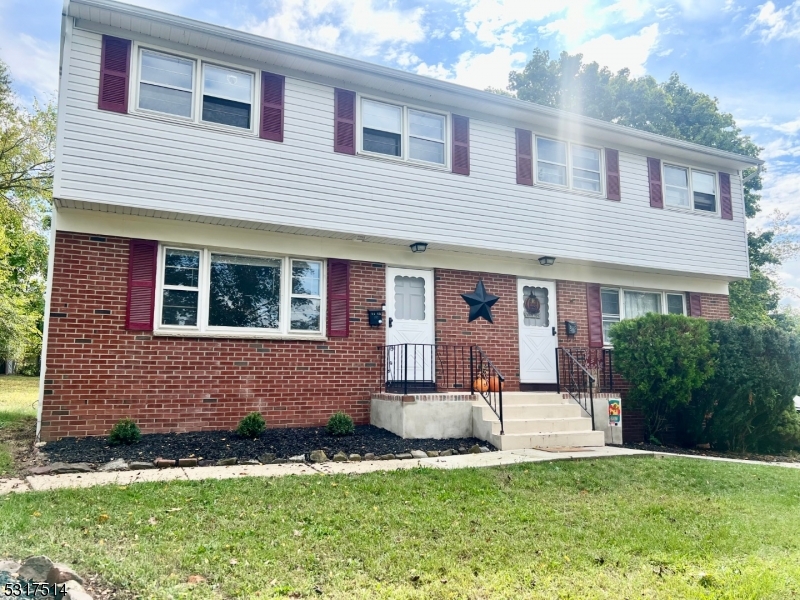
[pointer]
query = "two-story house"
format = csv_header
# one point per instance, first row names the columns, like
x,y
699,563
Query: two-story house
x,y
228,209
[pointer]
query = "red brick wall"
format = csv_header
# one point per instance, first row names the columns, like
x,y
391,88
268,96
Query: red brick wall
x,y
715,307
98,373
500,341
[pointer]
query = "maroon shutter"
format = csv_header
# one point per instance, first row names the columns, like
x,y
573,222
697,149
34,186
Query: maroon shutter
x,y
338,298
725,203
141,285
656,189
595,313
460,145
524,157
344,131
115,60
272,106
613,190
695,305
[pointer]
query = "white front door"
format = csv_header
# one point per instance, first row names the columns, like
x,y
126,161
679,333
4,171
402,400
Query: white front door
x,y
538,326
409,325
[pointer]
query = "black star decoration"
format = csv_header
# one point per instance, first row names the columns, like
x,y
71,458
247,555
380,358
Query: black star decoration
x,y
480,303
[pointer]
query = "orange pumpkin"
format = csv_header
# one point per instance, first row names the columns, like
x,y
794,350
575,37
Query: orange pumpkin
x,y
480,384
494,383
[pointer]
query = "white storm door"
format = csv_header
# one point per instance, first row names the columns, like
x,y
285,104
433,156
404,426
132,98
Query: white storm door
x,y
410,324
538,325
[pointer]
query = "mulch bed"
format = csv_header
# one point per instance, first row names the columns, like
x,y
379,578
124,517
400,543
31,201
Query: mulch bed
x,y
714,453
215,445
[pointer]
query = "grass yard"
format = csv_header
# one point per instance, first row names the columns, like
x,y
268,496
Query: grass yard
x,y
616,528
18,397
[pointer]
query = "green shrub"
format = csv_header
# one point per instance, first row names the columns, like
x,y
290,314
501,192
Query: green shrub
x,y
747,400
252,426
664,358
341,424
126,432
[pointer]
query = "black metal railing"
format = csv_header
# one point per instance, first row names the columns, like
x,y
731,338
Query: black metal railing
x,y
421,368
486,380
598,362
575,379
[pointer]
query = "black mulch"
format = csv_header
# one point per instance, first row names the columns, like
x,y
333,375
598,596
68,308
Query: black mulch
x,y
214,445
714,453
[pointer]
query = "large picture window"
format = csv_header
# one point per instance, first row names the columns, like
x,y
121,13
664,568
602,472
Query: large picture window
x,y
618,304
213,292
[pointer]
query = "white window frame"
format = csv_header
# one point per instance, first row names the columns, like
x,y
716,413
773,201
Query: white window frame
x,y
691,170
405,133
621,291
139,55
569,186
203,329
197,91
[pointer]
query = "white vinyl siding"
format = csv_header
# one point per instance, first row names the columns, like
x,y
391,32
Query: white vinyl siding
x,y
137,164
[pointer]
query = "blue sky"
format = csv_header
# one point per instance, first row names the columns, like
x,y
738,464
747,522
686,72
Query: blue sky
x,y
745,53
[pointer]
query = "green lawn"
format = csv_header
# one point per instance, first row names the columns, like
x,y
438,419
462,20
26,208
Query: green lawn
x,y
18,397
616,528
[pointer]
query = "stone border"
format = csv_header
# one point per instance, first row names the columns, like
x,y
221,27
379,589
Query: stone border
x,y
42,574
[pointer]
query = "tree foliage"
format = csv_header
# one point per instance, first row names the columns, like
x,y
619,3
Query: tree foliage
x,y
27,140
669,108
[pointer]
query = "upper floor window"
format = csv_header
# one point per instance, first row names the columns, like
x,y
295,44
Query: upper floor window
x,y
402,132
167,85
689,188
568,165
617,304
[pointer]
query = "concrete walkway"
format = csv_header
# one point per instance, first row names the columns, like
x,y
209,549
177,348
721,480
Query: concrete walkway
x,y
462,461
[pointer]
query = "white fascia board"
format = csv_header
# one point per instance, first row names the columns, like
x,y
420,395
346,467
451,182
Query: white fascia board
x,y
418,86
232,238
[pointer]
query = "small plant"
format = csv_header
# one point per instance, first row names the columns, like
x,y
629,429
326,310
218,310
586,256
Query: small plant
x,y
341,424
252,426
126,432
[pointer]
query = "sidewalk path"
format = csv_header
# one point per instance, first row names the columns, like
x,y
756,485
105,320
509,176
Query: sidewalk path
x,y
461,461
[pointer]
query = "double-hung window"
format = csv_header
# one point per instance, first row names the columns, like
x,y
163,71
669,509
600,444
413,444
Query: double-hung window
x,y
690,189
218,292
568,165
617,304
167,85
403,133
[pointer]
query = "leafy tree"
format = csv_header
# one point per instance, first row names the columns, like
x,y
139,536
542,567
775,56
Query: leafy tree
x,y
27,139
673,109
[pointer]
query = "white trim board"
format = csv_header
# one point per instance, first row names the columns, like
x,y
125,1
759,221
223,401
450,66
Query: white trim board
x,y
220,236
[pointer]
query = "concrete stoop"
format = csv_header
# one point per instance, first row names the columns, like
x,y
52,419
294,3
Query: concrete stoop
x,y
535,420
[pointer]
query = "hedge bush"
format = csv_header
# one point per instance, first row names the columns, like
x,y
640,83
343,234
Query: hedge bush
x,y
341,424
126,432
664,358
251,426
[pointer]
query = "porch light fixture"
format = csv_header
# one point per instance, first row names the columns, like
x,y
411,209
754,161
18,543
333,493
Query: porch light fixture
x,y
418,247
547,261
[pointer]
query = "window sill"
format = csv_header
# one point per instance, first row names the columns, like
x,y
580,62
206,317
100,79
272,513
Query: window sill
x,y
248,335
566,190
397,161
163,118
689,211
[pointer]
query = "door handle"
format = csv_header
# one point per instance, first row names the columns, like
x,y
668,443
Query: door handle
x,y
391,320
554,330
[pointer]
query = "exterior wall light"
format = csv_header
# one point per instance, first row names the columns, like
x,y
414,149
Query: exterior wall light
x,y
546,261
418,247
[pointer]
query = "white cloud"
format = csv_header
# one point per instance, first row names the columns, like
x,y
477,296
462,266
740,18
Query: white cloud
x,y
488,69
776,24
497,22
631,52
31,61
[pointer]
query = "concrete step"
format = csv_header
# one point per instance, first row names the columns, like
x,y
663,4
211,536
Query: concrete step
x,y
531,426
571,439
538,411
516,398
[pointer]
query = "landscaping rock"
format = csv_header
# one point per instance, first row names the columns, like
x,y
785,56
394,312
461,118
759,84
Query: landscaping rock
x,y
138,465
35,568
475,449
369,456
354,458
462,450
485,449
207,463
61,573
387,457
432,453
164,463
297,459
249,461
450,452
279,461
114,465
59,468
75,591
418,454
226,462
403,455
340,457
187,462
9,566
267,457
319,456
